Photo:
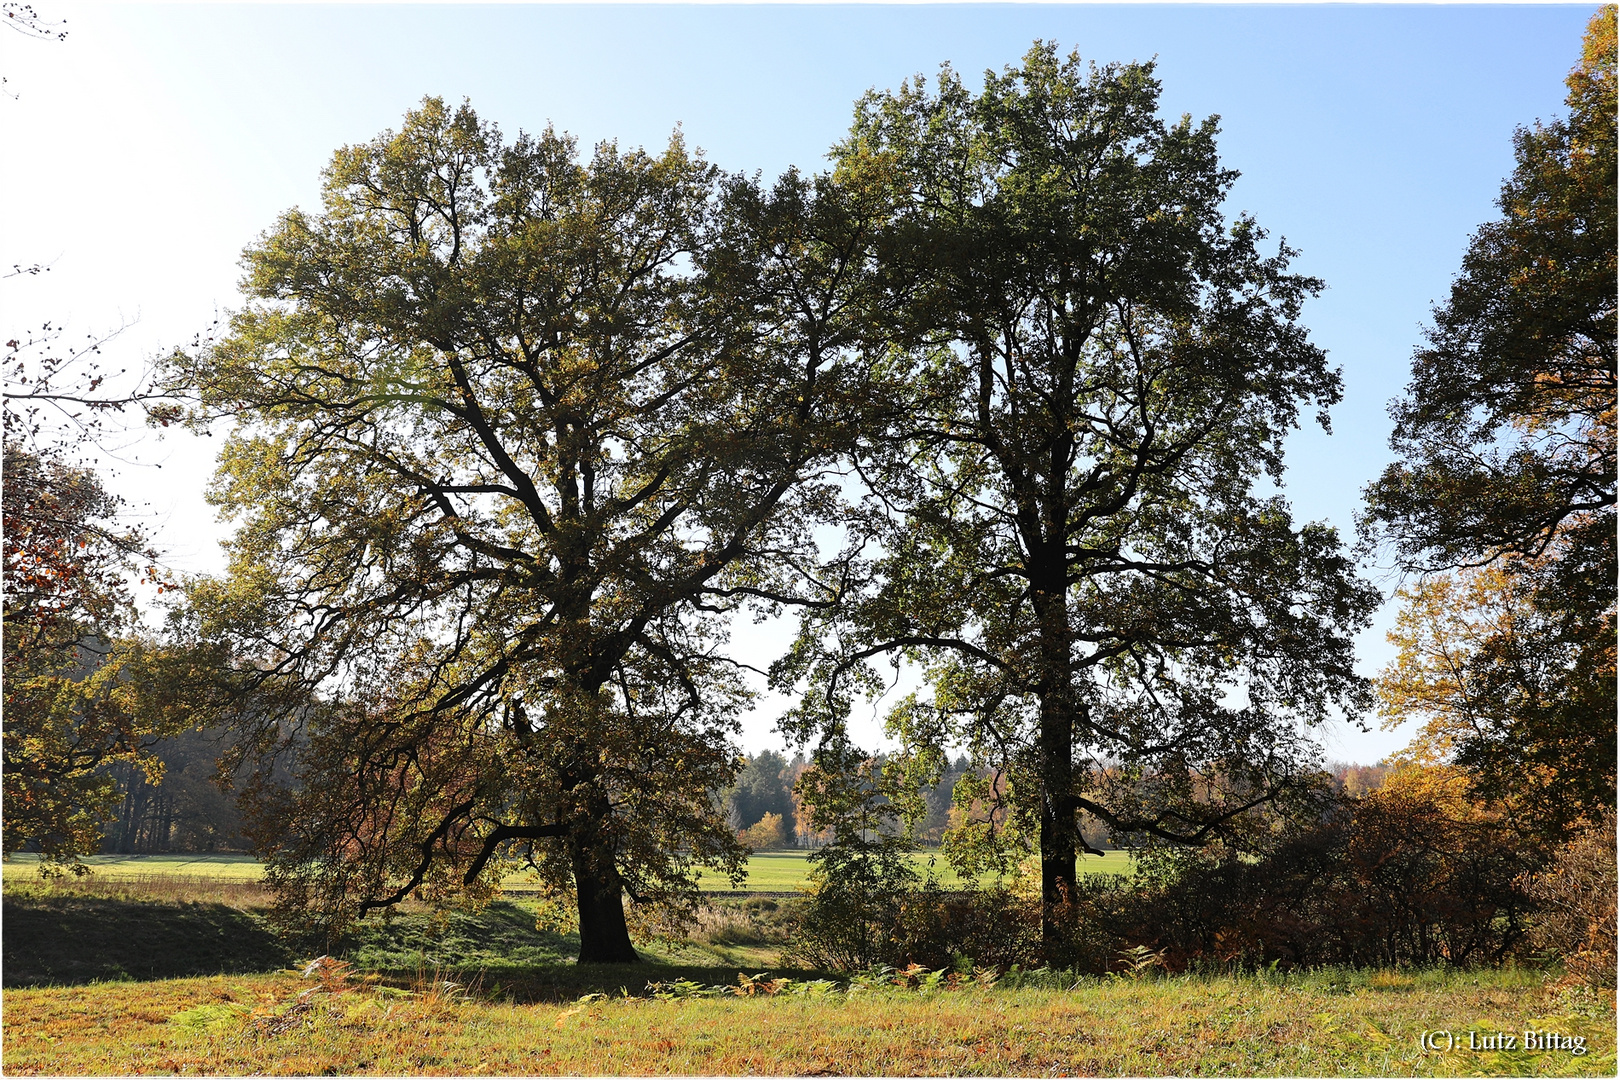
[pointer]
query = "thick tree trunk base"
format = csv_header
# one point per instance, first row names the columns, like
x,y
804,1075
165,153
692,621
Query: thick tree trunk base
x,y
606,948
1058,893
604,937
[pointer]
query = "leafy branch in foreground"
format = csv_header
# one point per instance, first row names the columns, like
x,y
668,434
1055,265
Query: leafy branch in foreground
x,y
83,688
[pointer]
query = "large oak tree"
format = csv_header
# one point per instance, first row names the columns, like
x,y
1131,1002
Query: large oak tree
x,y
1074,538
515,432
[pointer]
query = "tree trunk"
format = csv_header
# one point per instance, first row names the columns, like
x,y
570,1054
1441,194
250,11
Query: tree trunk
x,y
604,938
129,813
1059,840
1059,832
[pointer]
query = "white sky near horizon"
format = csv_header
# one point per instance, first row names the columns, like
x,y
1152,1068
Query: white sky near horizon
x,y
146,150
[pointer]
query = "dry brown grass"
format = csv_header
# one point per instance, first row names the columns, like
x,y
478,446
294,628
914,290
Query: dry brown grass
x,y
1344,1023
237,892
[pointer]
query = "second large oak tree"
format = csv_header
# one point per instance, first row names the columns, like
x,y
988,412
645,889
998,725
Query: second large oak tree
x,y
1071,530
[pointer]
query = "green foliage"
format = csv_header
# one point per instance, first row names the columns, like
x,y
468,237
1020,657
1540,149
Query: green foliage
x,y
872,902
1507,428
992,928
763,786
513,433
860,879
1102,371
1506,435
83,690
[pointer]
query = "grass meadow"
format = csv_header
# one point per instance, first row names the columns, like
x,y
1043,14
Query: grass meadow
x,y
1317,1024
165,965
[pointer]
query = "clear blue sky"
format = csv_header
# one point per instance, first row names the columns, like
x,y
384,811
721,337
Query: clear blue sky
x,y
145,151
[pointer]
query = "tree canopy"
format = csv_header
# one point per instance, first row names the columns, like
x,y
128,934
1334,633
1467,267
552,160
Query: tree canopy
x,y
762,787
1506,431
1069,521
1507,440
515,431
83,688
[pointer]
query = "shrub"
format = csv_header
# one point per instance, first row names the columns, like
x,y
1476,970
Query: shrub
x,y
766,834
939,928
1412,872
849,921
1576,895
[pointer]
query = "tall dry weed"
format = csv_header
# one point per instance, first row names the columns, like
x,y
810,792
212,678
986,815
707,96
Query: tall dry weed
x,y
1577,899
244,894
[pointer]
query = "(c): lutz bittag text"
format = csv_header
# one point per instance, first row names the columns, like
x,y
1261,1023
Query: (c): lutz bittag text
x,y
1530,1039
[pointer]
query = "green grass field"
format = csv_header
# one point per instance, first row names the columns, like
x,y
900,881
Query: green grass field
x,y
768,871
788,871
23,866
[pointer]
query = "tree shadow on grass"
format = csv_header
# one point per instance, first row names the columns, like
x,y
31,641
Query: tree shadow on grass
x,y
555,983
501,934
56,939
497,953
69,940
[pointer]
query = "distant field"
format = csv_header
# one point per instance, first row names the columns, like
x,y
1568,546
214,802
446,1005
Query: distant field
x,y
768,871
122,867
786,871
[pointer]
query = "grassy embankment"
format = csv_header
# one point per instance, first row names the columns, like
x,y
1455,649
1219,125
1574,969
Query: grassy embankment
x,y
167,916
